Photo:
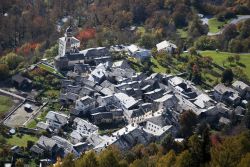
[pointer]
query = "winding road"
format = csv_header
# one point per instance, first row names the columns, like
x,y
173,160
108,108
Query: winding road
x,y
234,21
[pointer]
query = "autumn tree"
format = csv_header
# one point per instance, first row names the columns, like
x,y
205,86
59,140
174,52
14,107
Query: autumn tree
x,y
184,160
229,153
245,161
88,160
19,163
68,161
167,160
108,158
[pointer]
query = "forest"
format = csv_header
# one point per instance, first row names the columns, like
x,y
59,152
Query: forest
x,y
198,150
35,21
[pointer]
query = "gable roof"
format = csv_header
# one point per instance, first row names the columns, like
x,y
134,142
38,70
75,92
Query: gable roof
x,y
58,117
158,120
86,100
165,44
133,48
46,143
240,85
88,126
125,100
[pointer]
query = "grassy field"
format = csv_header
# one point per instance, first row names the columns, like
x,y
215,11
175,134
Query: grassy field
x,y
32,124
50,69
5,104
221,57
215,25
157,67
21,141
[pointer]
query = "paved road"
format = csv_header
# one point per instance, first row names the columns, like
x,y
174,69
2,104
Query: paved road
x,y
234,21
12,94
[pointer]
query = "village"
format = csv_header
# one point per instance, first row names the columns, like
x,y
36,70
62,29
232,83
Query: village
x,y
110,104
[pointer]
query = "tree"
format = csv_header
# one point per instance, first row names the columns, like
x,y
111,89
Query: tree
x,y
163,58
88,160
4,71
68,161
29,144
147,41
237,58
230,59
206,144
107,158
235,46
196,28
19,163
167,142
192,51
12,60
188,121
227,76
230,152
229,32
245,161
167,160
139,163
247,119
184,159
206,43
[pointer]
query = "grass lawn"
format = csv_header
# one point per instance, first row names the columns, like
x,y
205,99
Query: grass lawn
x,y
50,69
221,57
32,124
157,67
5,104
21,141
215,25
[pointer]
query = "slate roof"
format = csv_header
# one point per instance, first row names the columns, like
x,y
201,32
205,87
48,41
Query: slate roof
x,y
159,120
76,135
87,82
102,115
72,96
221,88
63,143
98,109
240,85
164,98
36,149
58,117
46,143
203,101
126,100
87,125
86,100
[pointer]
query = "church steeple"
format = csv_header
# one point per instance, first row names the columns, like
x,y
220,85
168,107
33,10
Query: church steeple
x,y
68,44
68,32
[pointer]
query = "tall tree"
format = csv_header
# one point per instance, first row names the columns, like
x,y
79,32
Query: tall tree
x,y
227,76
188,121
